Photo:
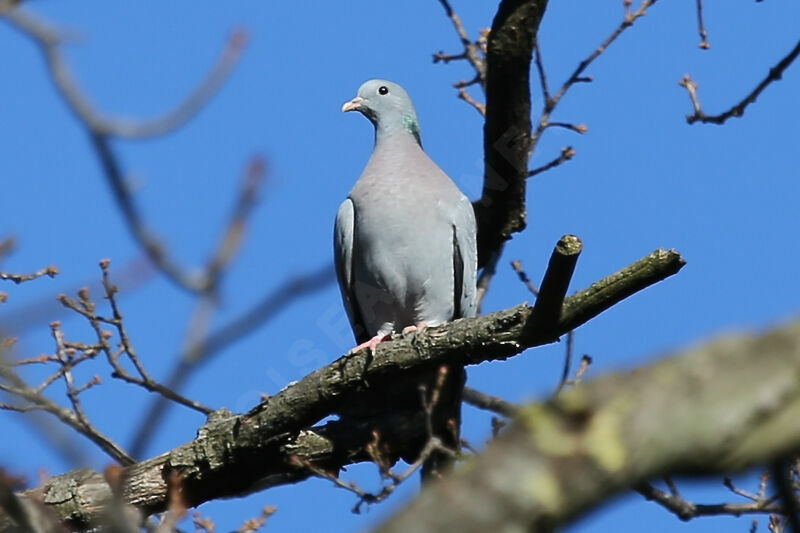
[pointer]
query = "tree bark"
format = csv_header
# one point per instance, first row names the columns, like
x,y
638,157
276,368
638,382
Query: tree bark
x,y
722,407
238,455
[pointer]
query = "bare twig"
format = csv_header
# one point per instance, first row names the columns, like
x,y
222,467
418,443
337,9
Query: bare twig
x,y
16,386
251,525
774,74
567,361
567,153
686,510
49,41
472,50
701,27
479,107
481,400
523,277
51,271
102,128
86,308
205,349
577,75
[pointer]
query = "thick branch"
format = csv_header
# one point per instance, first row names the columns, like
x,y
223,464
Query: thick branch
x,y
507,131
232,456
725,406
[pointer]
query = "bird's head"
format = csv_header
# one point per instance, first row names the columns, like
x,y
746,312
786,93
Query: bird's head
x,y
387,106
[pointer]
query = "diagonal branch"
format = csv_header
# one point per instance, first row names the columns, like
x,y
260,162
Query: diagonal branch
x,y
724,406
235,455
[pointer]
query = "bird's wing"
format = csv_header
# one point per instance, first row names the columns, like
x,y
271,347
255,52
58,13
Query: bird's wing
x,y
465,258
343,244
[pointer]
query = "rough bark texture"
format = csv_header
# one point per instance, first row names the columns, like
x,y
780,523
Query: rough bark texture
x,y
507,131
236,455
725,406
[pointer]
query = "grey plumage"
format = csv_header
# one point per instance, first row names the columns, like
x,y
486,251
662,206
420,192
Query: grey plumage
x,y
405,237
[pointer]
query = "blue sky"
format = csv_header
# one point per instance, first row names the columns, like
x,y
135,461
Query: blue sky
x,y
726,197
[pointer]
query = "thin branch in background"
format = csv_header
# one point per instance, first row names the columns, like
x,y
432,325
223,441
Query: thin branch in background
x,y
485,279
152,246
567,153
774,74
26,316
252,180
49,40
686,510
537,58
523,277
16,386
487,402
6,246
567,361
473,51
251,525
577,75
85,307
701,27
237,329
102,128
479,107
50,271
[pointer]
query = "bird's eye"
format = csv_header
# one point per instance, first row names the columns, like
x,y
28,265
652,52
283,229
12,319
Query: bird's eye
x,y
383,89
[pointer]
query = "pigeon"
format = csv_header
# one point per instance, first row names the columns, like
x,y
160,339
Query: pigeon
x,y
405,247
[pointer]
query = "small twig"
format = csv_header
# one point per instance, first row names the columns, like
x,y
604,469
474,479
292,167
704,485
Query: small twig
x,y
86,308
485,279
537,58
523,277
583,366
686,510
577,75
701,28
49,42
567,153
239,327
481,400
16,386
567,361
432,446
774,74
251,525
740,492
464,95
51,271
472,50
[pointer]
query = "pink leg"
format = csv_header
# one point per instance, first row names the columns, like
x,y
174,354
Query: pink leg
x,y
371,344
418,327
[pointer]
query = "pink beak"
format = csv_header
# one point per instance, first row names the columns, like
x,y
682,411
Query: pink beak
x,y
353,105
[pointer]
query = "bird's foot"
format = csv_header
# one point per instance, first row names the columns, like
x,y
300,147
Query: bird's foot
x,y
371,344
410,329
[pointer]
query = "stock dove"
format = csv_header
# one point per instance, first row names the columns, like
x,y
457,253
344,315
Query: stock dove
x,y
405,242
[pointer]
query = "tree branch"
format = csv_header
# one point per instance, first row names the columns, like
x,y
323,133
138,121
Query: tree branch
x,y
235,455
724,406
507,131
774,74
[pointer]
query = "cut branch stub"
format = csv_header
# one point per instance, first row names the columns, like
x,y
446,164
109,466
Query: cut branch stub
x,y
547,310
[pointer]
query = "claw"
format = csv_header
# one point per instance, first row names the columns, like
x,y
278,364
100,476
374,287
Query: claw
x,y
410,329
371,344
